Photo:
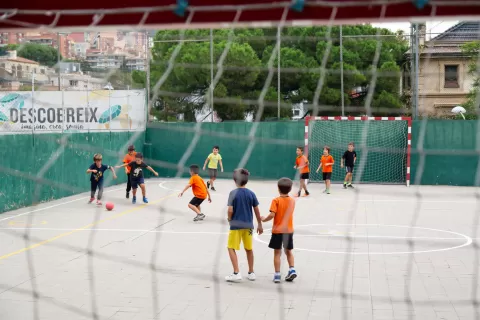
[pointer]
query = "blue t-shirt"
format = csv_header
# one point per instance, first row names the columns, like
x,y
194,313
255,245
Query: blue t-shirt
x,y
99,175
243,201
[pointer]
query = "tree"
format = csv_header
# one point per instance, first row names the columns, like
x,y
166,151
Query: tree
x,y
246,69
45,55
472,50
8,47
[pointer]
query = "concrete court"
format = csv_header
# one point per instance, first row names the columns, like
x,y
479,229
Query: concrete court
x,y
353,257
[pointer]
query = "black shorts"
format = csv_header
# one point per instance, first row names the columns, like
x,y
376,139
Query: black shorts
x,y
212,173
349,169
281,239
305,175
137,182
327,175
196,201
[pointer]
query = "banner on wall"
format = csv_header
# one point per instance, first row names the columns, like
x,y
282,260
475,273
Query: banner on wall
x,y
72,111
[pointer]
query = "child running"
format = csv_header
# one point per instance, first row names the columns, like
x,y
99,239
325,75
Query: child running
x,y
241,201
301,164
213,160
97,170
136,176
349,158
129,157
326,163
200,192
281,211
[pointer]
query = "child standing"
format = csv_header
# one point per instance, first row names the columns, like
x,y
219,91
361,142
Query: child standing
x,y
136,176
301,164
326,163
349,158
281,211
97,170
200,192
129,157
241,201
213,160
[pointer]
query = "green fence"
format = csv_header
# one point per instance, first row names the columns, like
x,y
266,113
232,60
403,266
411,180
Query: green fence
x,y
24,155
272,156
449,152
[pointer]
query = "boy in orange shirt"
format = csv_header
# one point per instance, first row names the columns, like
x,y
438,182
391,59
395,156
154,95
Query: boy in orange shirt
x,y
326,163
281,211
200,192
129,157
301,164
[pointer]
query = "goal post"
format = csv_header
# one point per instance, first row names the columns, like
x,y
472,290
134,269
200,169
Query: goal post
x,y
383,146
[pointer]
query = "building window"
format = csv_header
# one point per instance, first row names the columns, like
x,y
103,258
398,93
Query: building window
x,y
73,83
451,76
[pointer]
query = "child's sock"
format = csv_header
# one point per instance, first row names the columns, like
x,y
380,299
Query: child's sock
x,y
292,268
277,273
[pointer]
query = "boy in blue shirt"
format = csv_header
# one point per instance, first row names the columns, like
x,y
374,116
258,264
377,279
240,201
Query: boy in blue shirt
x,y
241,201
97,170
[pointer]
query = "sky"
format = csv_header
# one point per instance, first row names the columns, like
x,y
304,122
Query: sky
x,y
433,27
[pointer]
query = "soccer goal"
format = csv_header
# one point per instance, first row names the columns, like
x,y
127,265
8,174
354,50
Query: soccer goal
x,y
383,146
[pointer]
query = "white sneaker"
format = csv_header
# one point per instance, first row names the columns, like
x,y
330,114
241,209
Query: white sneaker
x,y
251,276
234,277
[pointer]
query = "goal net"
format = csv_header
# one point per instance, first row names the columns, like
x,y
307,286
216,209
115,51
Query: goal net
x,y
382,146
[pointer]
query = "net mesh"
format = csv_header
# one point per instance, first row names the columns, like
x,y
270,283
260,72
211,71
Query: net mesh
x,y
410,285
385,144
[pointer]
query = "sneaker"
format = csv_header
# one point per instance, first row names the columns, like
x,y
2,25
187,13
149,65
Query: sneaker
x,y
299,193
328,191
134,199
91,200
277,278
234,277
292,274
344,186
350,186
99,203
307,193
127,195
251,276
208,184
213,189
145,200
199,217
325,191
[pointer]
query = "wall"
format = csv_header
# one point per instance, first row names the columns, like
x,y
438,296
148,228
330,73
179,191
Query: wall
x,y
24,155
450,157
273,155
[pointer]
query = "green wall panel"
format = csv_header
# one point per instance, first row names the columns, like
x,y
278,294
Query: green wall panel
x,y
29,153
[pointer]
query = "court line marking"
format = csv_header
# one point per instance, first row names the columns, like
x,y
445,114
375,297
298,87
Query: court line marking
x,y
53,206
468,240
413,200
88,226
320,235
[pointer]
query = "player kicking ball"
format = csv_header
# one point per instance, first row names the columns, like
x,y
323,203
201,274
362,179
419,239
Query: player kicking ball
x,y
97,170
349,158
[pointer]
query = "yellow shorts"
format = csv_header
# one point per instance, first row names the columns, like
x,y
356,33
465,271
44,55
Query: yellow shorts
x,y
242,235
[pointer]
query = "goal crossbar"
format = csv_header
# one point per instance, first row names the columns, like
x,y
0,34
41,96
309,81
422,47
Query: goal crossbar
x,y
403,149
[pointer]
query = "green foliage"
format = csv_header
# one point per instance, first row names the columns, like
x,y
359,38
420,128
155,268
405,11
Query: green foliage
x,y
45,55
472,50
245,70
8,47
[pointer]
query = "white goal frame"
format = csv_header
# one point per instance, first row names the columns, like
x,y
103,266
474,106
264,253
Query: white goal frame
x,y
339,118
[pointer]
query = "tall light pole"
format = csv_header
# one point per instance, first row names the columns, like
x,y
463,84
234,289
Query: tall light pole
x,y
279,37
147,72
211,70
58,61
341,72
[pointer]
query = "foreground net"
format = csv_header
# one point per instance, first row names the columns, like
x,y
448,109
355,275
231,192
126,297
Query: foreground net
x,y
385,142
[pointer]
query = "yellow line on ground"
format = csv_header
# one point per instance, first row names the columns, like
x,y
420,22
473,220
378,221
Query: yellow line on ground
x,y
116,216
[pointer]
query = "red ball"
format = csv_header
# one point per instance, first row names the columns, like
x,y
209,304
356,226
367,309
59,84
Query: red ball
x,y
109,206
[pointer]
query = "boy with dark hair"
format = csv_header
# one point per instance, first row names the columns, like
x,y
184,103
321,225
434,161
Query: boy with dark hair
x,y
349,158
301,164
281,211
326,163
200,192
97,170
137,177
241,201
129,157
213,160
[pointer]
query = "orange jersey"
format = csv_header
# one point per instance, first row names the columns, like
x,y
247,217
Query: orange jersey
x,y
302,161
198,187
283,208
129,158
324,161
